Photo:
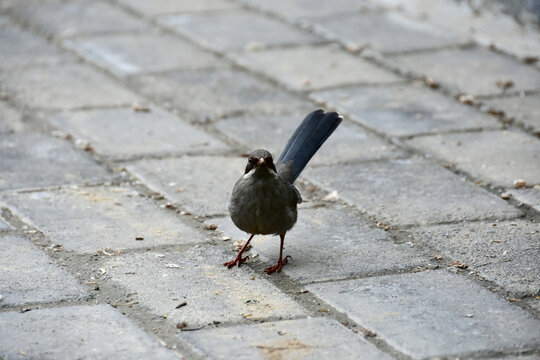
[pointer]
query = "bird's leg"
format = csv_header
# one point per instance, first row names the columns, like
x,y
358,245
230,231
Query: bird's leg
x,y
281,261
239,259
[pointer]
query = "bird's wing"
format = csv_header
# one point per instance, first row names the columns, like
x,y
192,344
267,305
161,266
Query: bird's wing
x,y
304,143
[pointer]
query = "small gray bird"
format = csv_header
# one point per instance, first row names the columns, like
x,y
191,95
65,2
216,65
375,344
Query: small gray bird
x,y
264,199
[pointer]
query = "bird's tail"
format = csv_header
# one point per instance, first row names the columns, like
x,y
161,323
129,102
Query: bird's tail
x,y
304,143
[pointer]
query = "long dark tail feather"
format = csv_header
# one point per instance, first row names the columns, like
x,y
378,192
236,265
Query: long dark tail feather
x,y
306,140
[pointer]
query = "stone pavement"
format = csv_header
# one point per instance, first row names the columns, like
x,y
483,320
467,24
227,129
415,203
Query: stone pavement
x,y
124,125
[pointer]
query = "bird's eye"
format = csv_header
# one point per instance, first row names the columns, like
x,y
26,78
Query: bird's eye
x,y
268,159
254,160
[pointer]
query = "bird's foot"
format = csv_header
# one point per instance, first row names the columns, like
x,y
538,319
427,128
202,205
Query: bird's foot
x,y
278,266
239,260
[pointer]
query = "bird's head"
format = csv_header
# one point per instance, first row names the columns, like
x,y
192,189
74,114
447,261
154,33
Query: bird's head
x,y
260,160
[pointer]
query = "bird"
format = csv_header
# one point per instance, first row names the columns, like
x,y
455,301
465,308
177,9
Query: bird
x,y
264,200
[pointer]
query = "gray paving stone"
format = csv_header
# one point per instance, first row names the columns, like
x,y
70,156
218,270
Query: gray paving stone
x,y
506,254
5,21
159,7
227,30
87,219
474,71
412,191
434,313
28,275
530,196
68,86
123,133
523,109
204,94
348,143
330,244
308,68
312,338
10,119
34,160
404,109
64,19
76,332
19,48
387,32
131,54
302,9
205,183
497,157
213,293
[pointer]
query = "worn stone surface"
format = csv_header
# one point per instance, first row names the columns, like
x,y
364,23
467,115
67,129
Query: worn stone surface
x,y
331,244
34,160
227,30
205,182
388,32
10,119
158,7
505,252
28,275
67,86
87,219
312,338
60,18
76,332
132,54
307,68
474,71
212,292
495,157
522,109
412,191
404,109
204,94
122,133
530,197
432,314
3,225
20,48
348,143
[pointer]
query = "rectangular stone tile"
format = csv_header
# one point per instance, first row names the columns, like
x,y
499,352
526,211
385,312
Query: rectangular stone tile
x,y
226,31
10,119
67,86
331,244
308,68
35,160
505,252
78,17
348,143
404,109
473,71
131,54
529,196
495,157
414,191
199,184
159,7
20,48
123,133
210,94
28,275
212,292
523,109
312,338
87,219
302,9
433,314
76,332
386,32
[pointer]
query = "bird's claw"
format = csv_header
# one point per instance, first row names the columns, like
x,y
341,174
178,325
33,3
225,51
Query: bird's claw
x,y
278,266
239,260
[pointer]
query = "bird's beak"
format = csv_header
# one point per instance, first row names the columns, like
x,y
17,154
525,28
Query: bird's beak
x,y
261,162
